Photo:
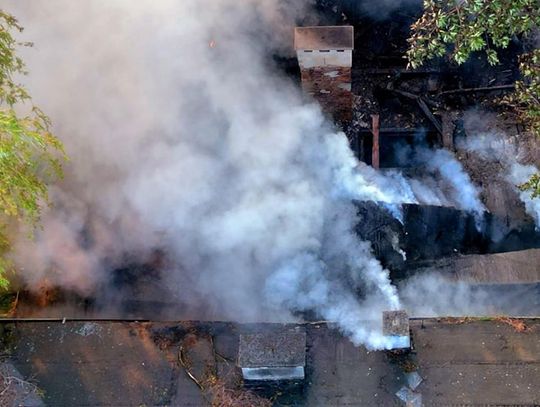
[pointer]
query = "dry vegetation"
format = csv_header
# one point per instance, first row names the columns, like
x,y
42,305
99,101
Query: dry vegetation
x,y
226,397
518,324
219,392
13,390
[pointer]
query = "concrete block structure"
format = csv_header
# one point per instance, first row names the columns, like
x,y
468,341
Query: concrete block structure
x,y
273,355
396,327
325,58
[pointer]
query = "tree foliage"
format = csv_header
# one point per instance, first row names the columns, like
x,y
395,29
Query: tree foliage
x,y
532,185
30,156
466,26
461,27
525,101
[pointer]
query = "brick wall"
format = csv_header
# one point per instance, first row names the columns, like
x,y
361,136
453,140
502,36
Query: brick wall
x,y
331,87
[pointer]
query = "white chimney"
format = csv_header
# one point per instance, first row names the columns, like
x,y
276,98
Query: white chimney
x,y
396,328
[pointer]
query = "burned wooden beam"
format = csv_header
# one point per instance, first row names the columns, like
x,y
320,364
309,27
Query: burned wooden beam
x,y
395,131
375,122
436,123
391,71
414,97
448,128
423,105
481,89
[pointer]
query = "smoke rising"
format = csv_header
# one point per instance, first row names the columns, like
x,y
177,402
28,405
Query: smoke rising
x,y
495,147
444,182
436,295
183,138
519,174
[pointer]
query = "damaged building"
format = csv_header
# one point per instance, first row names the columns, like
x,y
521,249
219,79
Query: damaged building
x,y
140,354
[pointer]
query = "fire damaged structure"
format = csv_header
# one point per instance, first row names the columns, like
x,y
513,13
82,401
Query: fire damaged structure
x,y
455,362
325,59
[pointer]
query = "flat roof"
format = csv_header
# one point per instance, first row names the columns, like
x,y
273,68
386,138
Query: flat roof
x,y
462,361
324,37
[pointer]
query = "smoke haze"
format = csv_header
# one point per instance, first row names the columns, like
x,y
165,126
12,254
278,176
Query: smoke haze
x,y
183,139
495,147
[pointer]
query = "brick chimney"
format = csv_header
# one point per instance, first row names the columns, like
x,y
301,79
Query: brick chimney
x,y
325,59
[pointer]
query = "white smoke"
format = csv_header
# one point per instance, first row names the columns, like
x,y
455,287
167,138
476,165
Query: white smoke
x,y
463,191
445,182
520,174
439,295
183,138
495,147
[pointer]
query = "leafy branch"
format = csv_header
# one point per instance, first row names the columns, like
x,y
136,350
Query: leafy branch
x,y
30,155
460,27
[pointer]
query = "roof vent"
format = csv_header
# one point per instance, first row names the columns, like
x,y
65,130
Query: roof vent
x,y
274,355
396,328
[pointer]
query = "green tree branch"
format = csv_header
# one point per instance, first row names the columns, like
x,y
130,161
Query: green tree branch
x,y
461,27
30,155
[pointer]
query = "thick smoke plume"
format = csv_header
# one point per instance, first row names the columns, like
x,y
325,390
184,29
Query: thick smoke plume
x,y
436,295
183,139
445,182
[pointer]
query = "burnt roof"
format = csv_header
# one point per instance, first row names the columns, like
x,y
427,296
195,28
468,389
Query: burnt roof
x,y
282,348
324,37
462,361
